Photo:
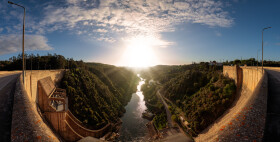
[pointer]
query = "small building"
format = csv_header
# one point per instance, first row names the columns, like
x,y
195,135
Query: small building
x,y
184,122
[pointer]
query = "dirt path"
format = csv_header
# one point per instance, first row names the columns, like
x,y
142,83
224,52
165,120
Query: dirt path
x,y
168,113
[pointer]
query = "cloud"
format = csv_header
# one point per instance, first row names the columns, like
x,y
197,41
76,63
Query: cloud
x,y
107,39
278,44
148,41
218,33
13,43
128,17
101,31
144,17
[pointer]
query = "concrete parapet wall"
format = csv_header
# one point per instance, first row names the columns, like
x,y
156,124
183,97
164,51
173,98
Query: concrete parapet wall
x,y
251,77
9,72
27,124
245,120
230,71
32,77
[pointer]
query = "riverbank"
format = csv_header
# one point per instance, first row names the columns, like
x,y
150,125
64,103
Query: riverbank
x,y
133,126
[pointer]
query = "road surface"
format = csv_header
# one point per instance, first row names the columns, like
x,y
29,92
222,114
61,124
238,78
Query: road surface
x,y
173,135
7,88
170,124
272,128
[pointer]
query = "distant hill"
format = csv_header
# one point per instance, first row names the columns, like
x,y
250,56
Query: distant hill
x,y
199,90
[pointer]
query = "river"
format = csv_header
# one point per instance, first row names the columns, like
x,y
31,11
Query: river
x,y
133,126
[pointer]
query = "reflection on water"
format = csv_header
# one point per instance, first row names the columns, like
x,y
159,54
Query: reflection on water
x,y
133,126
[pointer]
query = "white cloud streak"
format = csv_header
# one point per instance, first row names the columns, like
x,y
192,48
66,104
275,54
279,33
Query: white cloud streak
x,y
13,43
135,17
103,19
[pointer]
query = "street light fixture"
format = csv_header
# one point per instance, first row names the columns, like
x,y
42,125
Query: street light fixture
x,y
22,40
262,45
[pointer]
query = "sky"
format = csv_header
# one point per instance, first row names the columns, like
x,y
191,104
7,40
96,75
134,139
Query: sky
x,y
142,32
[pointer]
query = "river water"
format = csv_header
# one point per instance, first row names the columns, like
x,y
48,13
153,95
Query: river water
x,y
133,126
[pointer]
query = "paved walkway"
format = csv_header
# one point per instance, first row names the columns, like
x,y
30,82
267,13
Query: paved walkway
x,y
7,87
272,129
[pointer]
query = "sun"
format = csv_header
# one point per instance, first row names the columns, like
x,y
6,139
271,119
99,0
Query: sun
x,y
139,53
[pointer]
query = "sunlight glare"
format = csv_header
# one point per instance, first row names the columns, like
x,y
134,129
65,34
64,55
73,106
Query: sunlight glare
x,y
139,53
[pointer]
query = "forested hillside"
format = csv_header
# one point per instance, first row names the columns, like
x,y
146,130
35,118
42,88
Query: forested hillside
x,y
37,62
200,91
97,93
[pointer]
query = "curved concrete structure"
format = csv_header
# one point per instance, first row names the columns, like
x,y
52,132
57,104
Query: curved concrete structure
x,y
53,104
27,123
245,120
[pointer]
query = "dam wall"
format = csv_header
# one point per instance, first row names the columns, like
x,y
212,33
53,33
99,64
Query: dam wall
x,y
60,118
27,121
245,119
32,77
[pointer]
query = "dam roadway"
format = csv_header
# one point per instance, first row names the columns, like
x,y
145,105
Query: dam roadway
x,y
272,128
7,88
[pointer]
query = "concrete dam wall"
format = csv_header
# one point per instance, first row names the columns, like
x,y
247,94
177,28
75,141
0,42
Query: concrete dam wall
x,y
245,120
36,119
31,79
27,123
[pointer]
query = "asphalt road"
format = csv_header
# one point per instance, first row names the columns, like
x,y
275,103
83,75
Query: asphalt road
x,y
272,128
7,89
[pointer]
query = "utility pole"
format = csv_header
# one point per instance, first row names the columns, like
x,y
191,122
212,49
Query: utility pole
x,y
262,45
23,74
258,59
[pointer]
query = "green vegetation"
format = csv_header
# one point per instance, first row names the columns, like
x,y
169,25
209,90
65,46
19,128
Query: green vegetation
x,y
253,62
154,105
37,62
200,91
160,121
97,94
152,102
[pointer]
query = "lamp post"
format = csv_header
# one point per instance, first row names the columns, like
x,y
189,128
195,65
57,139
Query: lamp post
x,y
258,58
22,40
262,45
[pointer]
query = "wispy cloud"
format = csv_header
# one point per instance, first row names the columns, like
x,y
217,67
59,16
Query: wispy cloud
x,y
218,33
129,17
13,43
134,17
101,31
